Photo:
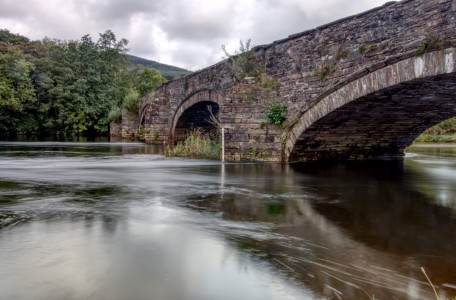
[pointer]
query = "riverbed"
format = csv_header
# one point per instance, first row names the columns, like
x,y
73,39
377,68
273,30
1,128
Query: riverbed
x,y
121,221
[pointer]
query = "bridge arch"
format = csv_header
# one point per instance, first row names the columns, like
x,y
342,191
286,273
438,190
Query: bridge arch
x,y
379,113
142,113
196,105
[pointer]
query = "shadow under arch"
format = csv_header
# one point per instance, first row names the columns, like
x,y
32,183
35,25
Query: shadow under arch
x,y
142,113
380,113
193,113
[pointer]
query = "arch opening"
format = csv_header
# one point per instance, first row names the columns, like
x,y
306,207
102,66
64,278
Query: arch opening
x,y
142,114
380,124
443,132
199,116
380,113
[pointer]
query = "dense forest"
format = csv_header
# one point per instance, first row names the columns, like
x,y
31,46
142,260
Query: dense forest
x,y
55,87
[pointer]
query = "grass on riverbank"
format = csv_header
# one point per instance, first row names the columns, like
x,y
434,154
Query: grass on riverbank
x,y
430,138
444,132
196,145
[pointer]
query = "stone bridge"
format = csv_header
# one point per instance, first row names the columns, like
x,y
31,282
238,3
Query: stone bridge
x,y
360,87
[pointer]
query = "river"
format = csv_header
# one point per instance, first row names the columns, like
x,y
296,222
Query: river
x,y
119,221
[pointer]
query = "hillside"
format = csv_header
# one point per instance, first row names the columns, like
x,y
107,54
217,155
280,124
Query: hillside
x,y
169,72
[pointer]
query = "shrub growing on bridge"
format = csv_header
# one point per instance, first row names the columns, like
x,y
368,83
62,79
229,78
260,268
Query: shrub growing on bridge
x,y
242,63
276,113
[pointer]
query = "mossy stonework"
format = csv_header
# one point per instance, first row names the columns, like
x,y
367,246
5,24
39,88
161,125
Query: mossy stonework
x,y
364,105
130,125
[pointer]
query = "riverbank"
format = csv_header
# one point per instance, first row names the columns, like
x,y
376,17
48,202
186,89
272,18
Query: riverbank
x,y
430,138
444,132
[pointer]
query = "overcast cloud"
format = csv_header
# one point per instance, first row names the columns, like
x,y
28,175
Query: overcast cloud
x,y
185,33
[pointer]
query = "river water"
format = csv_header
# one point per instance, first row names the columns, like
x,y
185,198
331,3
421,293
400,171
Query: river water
x,y
119,221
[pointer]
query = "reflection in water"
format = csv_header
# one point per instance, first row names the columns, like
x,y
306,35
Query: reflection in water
x,y
116,221
350,227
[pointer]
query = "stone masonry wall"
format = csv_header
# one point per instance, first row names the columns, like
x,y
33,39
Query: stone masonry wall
x,y
308,66
130,125
115,130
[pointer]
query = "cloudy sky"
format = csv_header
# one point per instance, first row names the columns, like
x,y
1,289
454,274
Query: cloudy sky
x,y
185,33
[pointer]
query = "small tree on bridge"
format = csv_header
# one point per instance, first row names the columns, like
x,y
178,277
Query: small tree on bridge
x,y
242,62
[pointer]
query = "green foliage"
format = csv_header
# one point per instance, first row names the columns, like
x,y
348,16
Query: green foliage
x,y
243,63
275,209
422,49
155,135
341,52
131,101
66,87
138,82
6,37
115,114
186,83
325,70
445,127
431,42
16,86
323,51
145,79
430,138
269,83
197,145
59,87
28,124
141,134
362,49
254,152
444,132
372,47
276,113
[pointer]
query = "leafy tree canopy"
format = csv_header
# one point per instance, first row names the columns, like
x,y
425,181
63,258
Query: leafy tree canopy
x,y
66,87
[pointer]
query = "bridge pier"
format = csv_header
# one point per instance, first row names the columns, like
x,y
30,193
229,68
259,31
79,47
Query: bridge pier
x,y
248,136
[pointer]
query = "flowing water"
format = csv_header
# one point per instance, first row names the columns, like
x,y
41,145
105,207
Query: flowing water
x,y
119,221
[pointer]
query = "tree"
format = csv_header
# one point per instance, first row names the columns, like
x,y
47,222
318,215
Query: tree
x,y
67,87
139,82
146,79
16,86
242,63
85,84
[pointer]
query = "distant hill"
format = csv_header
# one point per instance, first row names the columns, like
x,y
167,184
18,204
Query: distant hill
x,y
169,72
